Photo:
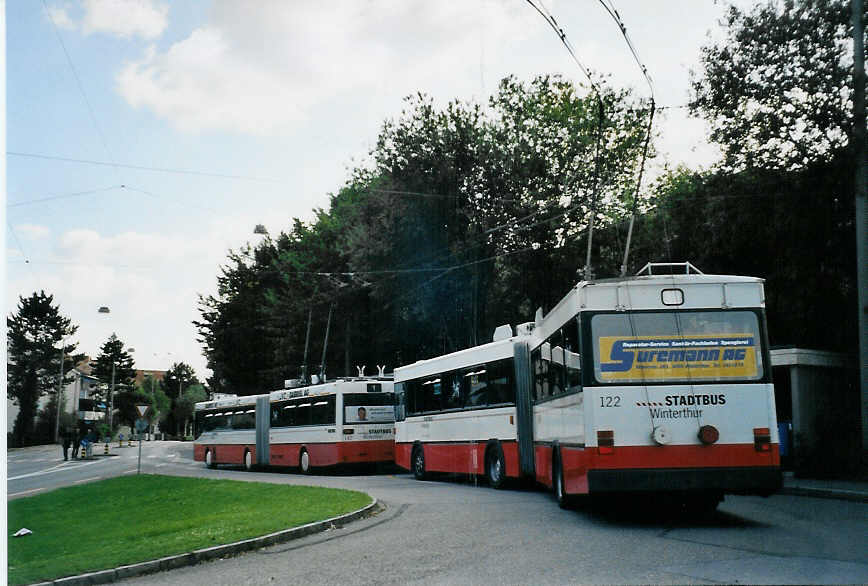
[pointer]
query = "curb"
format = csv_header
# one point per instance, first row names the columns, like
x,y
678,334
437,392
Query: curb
x,y
210,553
826,493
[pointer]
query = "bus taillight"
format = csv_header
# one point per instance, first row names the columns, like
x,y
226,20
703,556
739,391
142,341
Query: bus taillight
x,y
605,441
762,439
708,434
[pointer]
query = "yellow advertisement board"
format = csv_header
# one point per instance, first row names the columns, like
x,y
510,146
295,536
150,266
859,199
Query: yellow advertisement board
x,y
666,358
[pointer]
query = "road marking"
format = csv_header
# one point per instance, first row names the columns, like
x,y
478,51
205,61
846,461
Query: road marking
x,y
159,465
59,468
130,471
27,491
87,479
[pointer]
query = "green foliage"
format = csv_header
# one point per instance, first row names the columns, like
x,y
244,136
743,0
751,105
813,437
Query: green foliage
x,y
778,89
460,216
34,335
793,228
159,402
125,405
178,380
162,516
114,363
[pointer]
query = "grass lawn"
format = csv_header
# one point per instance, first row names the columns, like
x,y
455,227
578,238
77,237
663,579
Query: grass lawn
x,y
137,518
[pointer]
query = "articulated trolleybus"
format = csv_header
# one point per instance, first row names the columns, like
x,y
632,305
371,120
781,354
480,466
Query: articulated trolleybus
x,y
658,383
339,422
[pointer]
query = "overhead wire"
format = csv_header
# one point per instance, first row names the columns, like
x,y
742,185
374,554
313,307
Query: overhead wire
x,y
79,84
61,196
142,167
550,19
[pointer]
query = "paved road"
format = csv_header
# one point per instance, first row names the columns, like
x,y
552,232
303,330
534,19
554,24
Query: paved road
x,y
37,469
452,532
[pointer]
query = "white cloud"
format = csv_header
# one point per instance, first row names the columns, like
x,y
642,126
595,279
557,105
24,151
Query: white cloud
x,y
32,231
60,17
259,71
121,18
125,18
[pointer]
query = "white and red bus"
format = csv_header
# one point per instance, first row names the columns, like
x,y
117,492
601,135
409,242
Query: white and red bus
x,y
340,422
654,383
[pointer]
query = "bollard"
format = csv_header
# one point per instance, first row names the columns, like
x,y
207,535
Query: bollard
x,y
106,449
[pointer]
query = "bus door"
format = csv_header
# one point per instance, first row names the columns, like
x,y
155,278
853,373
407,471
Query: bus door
x,y
263,430
524,409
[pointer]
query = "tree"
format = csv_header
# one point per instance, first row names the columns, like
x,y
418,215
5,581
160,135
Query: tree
x,y
178,378
778,89
114,366
159,403
126,401
186,403
36,337
462,218
778,93
114,359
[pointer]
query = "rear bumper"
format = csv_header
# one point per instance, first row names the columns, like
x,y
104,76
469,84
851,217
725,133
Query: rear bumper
x,y
736,480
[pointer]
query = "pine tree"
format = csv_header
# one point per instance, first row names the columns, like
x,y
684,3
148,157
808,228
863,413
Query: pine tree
x,y
34,335
114,364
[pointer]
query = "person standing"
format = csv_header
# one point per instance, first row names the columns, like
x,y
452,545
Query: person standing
x,y
76,440
66,441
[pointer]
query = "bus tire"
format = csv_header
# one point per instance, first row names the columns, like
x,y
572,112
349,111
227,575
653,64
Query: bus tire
x,y
248,460
304,461
418,463
209,459
560,492
495,466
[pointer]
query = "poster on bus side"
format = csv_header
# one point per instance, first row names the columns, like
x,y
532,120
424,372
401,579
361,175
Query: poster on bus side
x,y
369,414
690,357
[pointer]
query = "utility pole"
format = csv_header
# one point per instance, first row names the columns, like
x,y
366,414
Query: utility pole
x,y
860,149
59,393
112,397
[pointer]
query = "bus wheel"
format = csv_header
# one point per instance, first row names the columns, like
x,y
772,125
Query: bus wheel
x,y
495,467
209,458
248,460
304,461
419,463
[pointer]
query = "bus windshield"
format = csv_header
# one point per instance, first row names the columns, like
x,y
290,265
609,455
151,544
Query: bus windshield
x,y
689,346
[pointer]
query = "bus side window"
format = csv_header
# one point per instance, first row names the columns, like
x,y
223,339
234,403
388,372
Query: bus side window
x,y
573,361
557,371
400,411
477,386
432,390
452,397
414,397
541,359
501,389
323,411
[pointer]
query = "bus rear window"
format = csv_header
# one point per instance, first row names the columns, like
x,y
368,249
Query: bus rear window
x,y
695,346
369,408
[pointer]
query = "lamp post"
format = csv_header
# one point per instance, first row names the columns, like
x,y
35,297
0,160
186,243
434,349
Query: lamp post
x,y
59,390
105,309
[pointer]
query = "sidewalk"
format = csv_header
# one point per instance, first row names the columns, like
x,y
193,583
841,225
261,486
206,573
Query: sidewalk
x,y
851,490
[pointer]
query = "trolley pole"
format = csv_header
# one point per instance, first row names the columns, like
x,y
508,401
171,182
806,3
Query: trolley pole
x,y
861,187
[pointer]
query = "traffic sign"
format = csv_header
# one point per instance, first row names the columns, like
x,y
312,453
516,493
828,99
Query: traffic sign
x,y
142,409
141,425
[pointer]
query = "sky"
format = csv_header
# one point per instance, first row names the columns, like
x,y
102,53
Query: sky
x,y
146,139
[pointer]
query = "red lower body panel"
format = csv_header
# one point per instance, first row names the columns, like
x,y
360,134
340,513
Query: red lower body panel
x,y
630,468
458,458
332,454
224,453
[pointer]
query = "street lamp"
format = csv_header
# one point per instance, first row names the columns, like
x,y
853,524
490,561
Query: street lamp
x,y
105,309
59,390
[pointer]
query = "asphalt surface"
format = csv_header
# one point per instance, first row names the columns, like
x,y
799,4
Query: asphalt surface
x,y
454,532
